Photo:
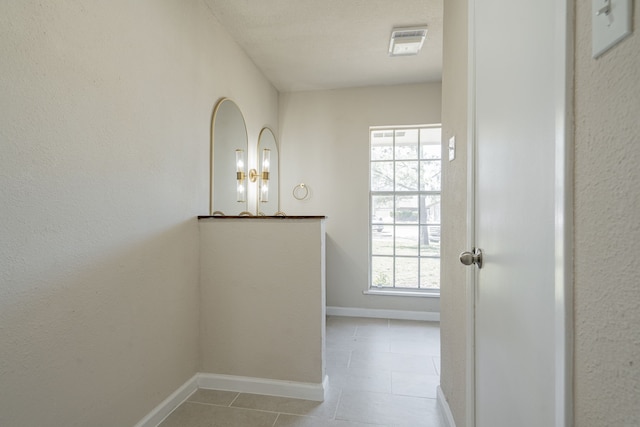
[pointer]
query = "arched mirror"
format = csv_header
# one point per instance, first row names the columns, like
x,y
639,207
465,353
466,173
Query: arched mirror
x,y
229,148
269,168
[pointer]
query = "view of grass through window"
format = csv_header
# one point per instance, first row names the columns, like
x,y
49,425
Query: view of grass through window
x,y
405,170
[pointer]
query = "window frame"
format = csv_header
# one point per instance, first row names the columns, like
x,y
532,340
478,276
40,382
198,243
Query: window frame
x,y
394,289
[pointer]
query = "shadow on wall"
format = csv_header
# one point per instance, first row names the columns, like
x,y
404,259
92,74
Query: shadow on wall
x,y
341,263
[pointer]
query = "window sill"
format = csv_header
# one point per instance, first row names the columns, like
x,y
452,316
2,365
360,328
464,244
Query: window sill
x,y
403,293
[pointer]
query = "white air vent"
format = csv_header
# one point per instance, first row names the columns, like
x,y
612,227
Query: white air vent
x,y
407,41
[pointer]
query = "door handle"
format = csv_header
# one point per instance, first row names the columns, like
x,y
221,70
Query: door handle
x,y
473,257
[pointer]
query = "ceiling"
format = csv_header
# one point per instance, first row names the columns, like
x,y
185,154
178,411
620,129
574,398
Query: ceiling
x,y
331,44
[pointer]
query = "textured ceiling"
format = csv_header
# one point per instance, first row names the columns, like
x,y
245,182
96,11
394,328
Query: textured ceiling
x,y
330,44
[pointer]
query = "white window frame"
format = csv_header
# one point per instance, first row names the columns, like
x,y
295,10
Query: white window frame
x,y
394,290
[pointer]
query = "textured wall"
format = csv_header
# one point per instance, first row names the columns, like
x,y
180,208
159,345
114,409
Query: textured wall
x,y
324,137
607,229
453,316
263,298
104,159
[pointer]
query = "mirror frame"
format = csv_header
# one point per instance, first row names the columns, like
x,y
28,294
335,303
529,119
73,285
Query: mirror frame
x,y
216,110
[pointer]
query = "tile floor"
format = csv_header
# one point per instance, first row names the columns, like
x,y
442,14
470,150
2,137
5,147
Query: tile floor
x,y
381,373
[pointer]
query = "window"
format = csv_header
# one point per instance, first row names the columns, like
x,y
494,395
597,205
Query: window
x,y
404,199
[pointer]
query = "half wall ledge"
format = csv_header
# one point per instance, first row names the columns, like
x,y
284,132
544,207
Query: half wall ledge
x,y
261,217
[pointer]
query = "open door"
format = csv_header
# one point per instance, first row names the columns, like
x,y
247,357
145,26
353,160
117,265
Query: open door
x,y
519,88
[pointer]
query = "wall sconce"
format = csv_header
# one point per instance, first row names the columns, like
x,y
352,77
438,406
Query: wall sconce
x,y
264,185
241,183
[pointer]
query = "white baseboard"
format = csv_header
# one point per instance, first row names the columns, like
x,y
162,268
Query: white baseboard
x,y
167,406
384,314
443,405
296,390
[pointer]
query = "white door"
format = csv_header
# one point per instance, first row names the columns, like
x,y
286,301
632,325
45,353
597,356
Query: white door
x,y
517,88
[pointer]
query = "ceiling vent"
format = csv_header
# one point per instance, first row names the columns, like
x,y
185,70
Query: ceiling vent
x,y
407,41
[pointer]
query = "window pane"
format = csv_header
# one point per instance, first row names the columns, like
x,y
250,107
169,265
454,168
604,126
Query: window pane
x,y
407,240
382,239
407,273
382,271
430,151
430,273
430,213
430,175
407,176
382,209
430,143
382,145
406,144
405,136
406,210
430,240
382,176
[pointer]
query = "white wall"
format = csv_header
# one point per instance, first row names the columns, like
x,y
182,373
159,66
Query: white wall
x,y
324,142
104,164
607,229
263,298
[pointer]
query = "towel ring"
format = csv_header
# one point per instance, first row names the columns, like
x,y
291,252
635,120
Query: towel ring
x,y
301,191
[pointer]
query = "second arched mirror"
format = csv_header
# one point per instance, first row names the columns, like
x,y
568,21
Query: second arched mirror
x,y
269,168
228,153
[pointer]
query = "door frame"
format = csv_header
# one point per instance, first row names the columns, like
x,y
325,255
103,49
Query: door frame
x,y
563,234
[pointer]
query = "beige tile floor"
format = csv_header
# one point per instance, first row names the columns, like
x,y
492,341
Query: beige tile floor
x,y
381,373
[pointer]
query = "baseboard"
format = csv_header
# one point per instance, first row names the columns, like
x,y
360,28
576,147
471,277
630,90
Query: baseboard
x,y
167,406
383,314
443,405
296,390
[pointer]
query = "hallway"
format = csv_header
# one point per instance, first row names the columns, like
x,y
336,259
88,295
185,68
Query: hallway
x,y
381,373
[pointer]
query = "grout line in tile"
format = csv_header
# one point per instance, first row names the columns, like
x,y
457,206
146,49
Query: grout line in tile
x,y
213,404
264,411
335,413
234,399
276,420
